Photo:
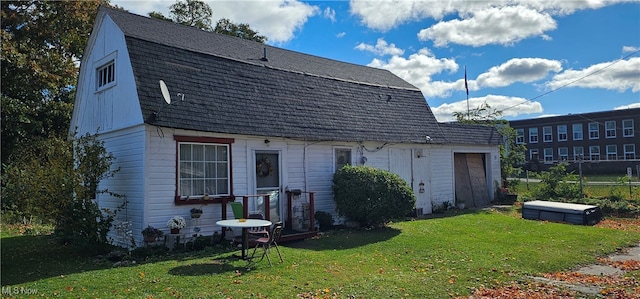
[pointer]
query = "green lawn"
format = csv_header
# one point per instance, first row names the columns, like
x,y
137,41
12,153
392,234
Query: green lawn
x,y
429,258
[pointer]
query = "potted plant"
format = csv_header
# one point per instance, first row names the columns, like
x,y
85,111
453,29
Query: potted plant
x,y
151,234
176,223
196,212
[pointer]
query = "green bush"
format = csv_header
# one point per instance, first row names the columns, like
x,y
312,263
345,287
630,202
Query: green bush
x,y
371,196
557,183
57,182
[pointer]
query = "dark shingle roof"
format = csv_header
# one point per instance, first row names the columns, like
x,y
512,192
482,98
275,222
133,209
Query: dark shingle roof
x,y
228,89
459,133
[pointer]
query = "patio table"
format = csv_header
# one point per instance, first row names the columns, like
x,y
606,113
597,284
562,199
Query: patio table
x,y
245,224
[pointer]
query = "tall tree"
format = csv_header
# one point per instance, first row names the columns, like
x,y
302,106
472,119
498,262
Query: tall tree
x,y
242,30
192,13
198,14
42,43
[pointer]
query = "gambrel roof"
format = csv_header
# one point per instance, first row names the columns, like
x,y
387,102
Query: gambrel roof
x,y
237,86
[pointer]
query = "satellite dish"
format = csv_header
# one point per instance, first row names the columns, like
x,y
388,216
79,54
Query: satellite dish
x,y
165,92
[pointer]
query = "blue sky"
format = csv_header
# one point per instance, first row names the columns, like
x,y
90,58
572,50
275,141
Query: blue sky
x,y
525,58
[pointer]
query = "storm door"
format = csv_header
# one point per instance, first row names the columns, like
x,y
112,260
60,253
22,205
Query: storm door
x,y
268,183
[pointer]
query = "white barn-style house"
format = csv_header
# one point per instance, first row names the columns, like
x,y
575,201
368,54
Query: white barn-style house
x,y
238,118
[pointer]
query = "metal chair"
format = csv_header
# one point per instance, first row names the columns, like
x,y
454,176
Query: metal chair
x,y
267,242
257,231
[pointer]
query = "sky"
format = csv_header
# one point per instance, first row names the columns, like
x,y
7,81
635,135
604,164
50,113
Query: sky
x,y
527,59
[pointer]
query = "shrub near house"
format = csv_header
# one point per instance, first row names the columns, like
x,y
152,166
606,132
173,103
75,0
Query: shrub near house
x,y
371,196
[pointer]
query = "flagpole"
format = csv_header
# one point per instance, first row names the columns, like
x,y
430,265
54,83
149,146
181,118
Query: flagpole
x,y
466,87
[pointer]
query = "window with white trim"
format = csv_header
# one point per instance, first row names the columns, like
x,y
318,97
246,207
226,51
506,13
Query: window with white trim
x,y
594,152
342,157
106,71
627,128
548,155
534,155
519,136
563,154
629,151
577,131
203,167
547,134
533,135
578,153
562,133
610,129
612,152
594,131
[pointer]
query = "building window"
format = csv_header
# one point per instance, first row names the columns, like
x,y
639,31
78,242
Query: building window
x,y
342,158
563,154
594,131
612,152
534,155
203,166
106,75
610,129
533,135
562,133
629,151
578,153
548,155
519,136
627,128
594,152
547,134
577,131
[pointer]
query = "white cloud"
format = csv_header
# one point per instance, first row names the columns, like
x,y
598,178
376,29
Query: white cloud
x,y
630,49
504,26
144,7
329,14
387,14
418,69
381,48
630,106
278,20
341,34
511,106
620,75
518,70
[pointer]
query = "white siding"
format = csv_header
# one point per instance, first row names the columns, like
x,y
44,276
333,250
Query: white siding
x,y
150,187
113,108
442,184
127,146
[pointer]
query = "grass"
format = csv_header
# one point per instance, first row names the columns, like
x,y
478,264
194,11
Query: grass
x,y
594,191
428,258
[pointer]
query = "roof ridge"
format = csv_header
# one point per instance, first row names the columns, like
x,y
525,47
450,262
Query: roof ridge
x,y
237,49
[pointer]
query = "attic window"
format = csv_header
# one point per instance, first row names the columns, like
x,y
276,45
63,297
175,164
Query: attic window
x,y
106,72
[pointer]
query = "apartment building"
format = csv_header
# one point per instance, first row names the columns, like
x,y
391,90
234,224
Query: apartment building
x,y
607,141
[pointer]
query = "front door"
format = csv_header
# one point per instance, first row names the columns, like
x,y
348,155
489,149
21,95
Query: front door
x,y
268,183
